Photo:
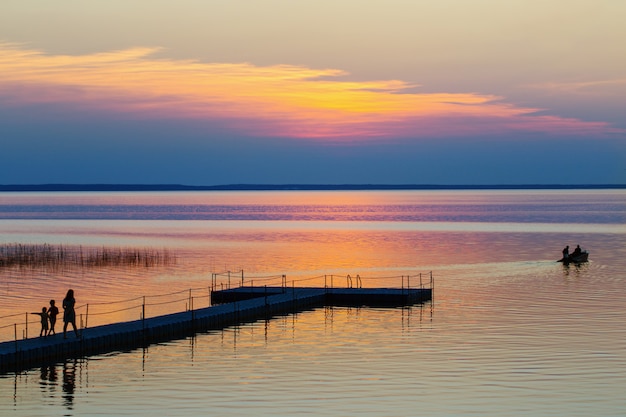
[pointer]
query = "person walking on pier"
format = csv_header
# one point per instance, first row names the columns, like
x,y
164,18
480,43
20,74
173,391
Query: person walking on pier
x,y
44,322
69,314
53,311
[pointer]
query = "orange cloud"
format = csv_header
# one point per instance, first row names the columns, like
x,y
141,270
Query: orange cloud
x,y
280,100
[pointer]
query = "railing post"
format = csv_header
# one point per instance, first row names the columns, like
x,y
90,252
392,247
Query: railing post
x,y
26,334
242,277
87,316
229,280
143,312
190,303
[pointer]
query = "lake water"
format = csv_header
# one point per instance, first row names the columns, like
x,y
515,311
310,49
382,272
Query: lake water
x,y
509,331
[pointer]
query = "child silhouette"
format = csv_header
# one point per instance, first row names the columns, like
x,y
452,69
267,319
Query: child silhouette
x,y
44,322
53,311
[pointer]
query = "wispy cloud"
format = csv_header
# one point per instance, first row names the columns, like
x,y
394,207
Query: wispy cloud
x,y
604,87
279,100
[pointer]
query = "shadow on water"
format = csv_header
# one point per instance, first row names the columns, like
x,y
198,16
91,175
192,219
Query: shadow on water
x,y
62,382
69,383
48,380
575,270
49,383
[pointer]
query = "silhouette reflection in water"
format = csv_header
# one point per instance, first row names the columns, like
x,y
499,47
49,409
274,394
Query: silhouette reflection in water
x,y
69,383
574,269
48,381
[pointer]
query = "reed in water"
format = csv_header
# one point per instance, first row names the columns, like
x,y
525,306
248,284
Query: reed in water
x,y
61,256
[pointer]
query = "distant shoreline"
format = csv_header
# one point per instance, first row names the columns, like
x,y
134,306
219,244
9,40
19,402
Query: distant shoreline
x,y
298,187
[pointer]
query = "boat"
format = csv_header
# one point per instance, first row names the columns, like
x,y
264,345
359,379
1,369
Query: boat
x,y
575,258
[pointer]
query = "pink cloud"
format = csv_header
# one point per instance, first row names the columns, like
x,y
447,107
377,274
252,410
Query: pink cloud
x,y
279,100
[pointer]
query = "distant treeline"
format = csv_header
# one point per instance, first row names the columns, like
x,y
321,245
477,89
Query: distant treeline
x,y
296,187
61,256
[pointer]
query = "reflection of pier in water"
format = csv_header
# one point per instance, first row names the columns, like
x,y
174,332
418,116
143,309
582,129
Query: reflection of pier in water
x,y
233,307
62,382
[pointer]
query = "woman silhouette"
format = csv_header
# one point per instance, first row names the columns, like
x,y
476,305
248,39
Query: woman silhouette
x,y
69,315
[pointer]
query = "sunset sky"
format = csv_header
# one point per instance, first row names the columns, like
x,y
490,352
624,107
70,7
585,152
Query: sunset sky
x,y
210,92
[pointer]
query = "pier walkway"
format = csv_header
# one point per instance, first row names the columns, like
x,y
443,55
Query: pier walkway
x,y
230,307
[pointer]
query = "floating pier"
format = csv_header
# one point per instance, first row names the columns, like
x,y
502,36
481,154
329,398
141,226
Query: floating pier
x,y
230,307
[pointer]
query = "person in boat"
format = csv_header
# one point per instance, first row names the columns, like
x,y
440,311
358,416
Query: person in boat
x,y
577,251
566,252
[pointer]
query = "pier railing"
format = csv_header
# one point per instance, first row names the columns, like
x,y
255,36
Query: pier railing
x,y
228,279
26,325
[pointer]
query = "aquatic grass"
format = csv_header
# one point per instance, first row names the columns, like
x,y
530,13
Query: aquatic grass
x,y
60,256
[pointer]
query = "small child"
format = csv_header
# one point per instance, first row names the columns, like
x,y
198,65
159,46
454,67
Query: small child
x,y
53,311
44,322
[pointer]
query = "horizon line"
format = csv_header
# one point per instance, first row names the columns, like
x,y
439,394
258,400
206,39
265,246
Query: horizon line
x,y
295,187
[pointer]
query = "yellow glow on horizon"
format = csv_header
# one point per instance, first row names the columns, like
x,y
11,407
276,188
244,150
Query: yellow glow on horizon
x,y
279,100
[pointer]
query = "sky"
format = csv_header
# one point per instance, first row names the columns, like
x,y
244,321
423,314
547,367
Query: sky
x,y
214,92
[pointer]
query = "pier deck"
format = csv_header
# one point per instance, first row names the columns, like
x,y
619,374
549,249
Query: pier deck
x,y
231,307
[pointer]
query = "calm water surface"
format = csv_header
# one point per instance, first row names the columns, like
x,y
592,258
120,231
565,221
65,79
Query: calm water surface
x,y
510,331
